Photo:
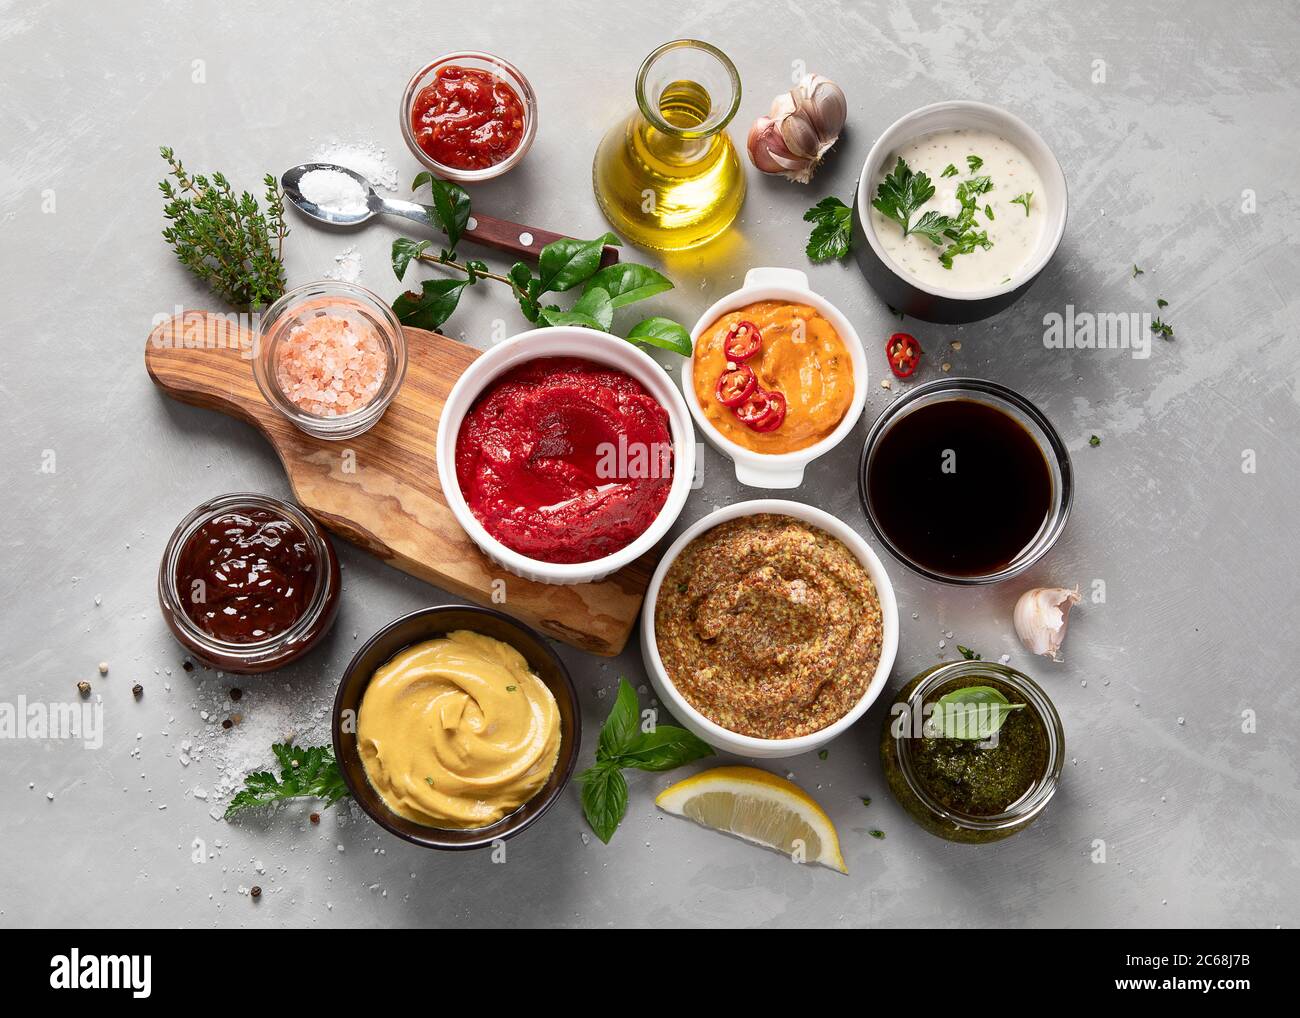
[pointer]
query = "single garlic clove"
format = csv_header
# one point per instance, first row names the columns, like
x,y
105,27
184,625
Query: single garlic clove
x,y
827,109
800,136
766,149
1040,618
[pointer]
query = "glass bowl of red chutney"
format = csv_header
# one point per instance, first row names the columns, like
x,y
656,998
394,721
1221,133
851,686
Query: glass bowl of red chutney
x,y
248,583
469,116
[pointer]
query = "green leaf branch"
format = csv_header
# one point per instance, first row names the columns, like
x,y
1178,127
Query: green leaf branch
x,y
563,265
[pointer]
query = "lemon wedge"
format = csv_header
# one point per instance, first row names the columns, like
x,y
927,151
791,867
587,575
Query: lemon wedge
x,y
759,807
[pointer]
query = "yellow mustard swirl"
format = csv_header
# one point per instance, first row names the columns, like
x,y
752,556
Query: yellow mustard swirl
x,y
457,732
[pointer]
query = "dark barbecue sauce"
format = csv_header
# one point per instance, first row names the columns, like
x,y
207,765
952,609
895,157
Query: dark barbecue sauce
x,y
246,575
959,487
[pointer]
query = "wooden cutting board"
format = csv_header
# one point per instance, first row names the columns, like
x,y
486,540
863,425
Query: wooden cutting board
x,y
385,497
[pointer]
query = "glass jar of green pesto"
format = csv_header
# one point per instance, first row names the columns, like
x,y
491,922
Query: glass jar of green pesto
x,y
973,790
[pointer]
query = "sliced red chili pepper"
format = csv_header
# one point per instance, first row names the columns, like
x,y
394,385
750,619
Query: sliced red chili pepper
x,y
775,416
754,408
903,353
742,342
735,385
762,411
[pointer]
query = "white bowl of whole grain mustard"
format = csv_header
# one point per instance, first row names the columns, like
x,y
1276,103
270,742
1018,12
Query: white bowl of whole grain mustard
x,y
808,354
769,628
982,161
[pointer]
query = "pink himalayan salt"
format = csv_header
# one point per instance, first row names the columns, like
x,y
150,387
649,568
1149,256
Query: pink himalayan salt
x,y
328,367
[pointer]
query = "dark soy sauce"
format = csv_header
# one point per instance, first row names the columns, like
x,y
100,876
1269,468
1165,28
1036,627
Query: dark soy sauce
x,y
959,487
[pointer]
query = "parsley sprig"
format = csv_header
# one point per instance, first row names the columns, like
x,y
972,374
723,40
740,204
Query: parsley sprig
x,y
304,772
832,229
624,743
902,193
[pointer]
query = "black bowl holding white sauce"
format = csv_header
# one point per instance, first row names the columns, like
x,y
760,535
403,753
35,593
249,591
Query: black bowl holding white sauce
x,y
1004,197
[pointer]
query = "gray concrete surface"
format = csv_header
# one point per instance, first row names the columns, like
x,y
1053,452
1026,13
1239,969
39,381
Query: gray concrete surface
x,y
1196,114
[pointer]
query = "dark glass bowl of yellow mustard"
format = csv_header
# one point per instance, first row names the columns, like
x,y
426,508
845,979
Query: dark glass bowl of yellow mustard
x,y
968,790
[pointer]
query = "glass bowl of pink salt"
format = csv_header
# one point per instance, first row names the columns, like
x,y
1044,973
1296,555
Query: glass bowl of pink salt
x,y
330,356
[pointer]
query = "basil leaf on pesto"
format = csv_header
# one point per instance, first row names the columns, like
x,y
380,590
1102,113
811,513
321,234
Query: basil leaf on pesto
x,y
971,712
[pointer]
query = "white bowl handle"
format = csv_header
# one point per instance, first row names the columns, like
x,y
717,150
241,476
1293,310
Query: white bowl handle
x,y
762,476
771,276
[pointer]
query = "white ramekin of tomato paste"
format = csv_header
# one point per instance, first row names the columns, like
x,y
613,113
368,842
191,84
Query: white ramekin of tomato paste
x,y
565,454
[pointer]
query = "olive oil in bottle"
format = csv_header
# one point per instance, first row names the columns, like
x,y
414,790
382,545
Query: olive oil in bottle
x,y
669,177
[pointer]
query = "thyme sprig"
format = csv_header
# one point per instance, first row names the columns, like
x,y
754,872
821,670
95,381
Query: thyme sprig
x,y
226,239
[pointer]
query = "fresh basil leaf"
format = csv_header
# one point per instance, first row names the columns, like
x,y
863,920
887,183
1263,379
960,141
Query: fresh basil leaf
x,y
450,205
663,333
595,303
972,712
627,283
604,798
432,306
622,726
832,234
564,263
404,251
664,748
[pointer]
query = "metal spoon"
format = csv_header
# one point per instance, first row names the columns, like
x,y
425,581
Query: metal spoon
x,y
514,238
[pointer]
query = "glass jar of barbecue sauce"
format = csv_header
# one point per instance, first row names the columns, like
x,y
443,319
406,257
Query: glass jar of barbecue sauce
x,y
973,790
248,583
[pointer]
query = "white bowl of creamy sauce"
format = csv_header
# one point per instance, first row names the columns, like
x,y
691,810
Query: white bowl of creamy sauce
x,y
959,207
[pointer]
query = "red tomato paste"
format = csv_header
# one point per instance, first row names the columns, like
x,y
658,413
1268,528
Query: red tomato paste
x,y
565,460
467,118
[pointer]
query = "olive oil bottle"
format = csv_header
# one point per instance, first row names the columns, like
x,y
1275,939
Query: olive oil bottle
x,y
669,177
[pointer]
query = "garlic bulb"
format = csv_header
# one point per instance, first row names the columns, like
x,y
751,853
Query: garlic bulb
x,y
801,126
1040,618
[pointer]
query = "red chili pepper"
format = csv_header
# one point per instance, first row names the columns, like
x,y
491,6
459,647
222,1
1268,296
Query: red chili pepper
x,y
763,411
775,416
742,342
903,353
735,385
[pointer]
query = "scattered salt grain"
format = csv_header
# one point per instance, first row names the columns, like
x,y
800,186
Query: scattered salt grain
x,y
347,266
366,158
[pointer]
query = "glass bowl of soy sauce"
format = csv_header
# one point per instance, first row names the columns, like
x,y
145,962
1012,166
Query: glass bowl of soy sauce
x,y
965,481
